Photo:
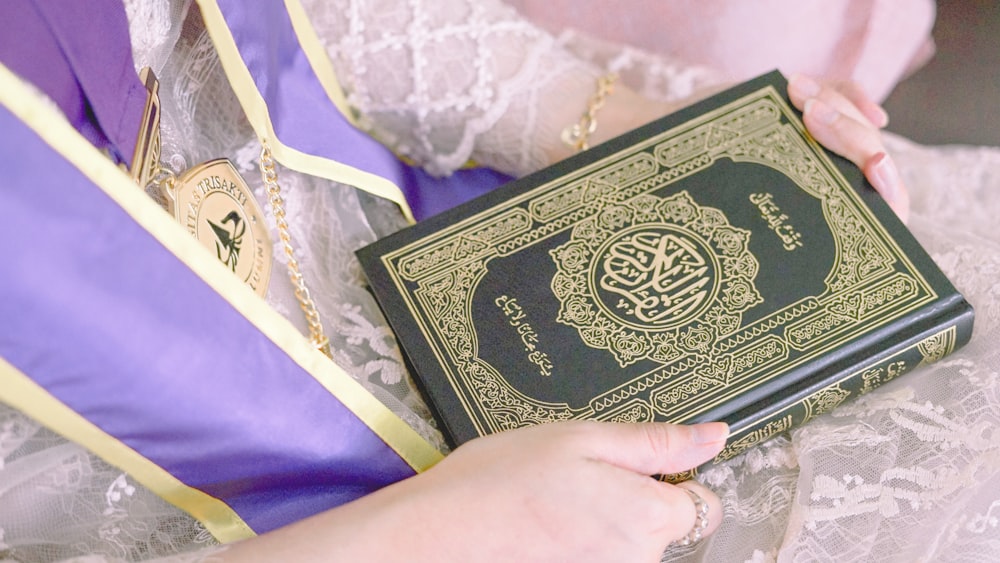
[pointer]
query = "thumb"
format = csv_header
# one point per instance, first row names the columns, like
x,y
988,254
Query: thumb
x,y
652,447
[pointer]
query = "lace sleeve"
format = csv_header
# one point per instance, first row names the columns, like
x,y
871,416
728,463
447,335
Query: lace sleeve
x,y
60,502
446,81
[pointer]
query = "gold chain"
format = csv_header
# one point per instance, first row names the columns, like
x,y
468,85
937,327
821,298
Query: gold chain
x,y
267,171
163,179
577,135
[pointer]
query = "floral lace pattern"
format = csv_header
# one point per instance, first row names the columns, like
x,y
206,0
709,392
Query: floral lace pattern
x,y
58,501
446,81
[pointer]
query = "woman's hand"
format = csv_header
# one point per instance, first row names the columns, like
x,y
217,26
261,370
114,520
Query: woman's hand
x,y
840,116
843,119
568,491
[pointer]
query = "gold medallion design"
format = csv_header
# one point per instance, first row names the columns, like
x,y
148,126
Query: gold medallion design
x,y
211,200
215,205
652,274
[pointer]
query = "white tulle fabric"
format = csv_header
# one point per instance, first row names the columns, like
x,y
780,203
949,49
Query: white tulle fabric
x,y
909,472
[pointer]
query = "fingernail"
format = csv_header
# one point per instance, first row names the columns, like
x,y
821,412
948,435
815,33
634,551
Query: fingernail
x,y
882,118
821,111
709,432
884,176
804,87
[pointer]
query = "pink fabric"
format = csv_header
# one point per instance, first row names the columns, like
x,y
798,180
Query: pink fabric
x,y
873,42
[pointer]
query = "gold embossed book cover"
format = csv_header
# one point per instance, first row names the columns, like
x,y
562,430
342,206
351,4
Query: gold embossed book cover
x,y
716,264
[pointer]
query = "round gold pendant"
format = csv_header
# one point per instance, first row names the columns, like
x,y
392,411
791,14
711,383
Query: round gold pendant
x,y
214,203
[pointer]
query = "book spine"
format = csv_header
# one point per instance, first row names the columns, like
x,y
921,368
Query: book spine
x,y
826,393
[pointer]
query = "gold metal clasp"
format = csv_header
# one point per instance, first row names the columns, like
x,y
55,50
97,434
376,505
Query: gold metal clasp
x,y
146,159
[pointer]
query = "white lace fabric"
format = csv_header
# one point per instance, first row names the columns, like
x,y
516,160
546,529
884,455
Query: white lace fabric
x,y
58,501
449,81
908,472
436,78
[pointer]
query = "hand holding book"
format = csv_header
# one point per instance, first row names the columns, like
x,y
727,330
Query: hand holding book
x,y
716,264
843,119
575,491
840,116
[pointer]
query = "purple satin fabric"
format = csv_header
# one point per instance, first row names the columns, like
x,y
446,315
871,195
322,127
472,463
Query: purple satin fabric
x,y
118,329
102,316
80,55
306,119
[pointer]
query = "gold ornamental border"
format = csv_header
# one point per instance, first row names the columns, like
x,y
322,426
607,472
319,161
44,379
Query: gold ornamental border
x,y
754,128
765,427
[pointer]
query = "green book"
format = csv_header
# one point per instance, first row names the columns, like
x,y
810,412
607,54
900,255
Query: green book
x,y
716,264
